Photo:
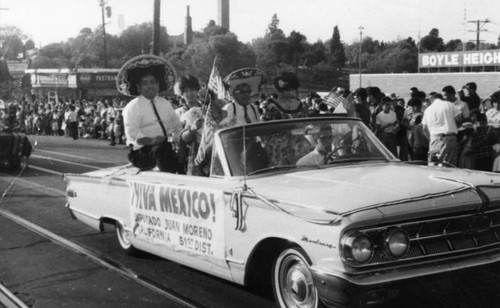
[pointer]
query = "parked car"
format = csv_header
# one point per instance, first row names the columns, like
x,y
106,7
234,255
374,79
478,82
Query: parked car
x,y
316,208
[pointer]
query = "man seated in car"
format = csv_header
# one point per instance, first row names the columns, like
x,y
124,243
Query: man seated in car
x,y
323,140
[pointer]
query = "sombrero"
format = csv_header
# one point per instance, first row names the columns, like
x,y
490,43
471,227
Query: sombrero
x,y
133,70
251,76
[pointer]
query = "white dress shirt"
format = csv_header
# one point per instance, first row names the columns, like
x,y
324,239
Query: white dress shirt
x,y
237,117
313,158
439,118
141,121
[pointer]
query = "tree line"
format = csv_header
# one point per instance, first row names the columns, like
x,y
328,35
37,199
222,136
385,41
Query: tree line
x,y
319,63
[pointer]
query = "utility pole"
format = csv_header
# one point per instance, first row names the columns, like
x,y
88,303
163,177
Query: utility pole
x,y
2,9
479,25
360,49
102,4
156,29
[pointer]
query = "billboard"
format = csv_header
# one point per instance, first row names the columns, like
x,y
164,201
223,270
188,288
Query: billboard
x,y
92,80
459,59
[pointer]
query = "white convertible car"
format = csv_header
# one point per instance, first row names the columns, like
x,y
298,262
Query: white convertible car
x,y
316,208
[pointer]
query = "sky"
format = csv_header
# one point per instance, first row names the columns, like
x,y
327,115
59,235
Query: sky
x,y
49,21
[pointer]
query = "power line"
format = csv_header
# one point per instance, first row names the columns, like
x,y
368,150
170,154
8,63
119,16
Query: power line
x,y
479,25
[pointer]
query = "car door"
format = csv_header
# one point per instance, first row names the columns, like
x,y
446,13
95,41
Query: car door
x,y
181,218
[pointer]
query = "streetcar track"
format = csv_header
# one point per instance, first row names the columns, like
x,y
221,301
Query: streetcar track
x,y
66,162
64,154
39,186
10,301
46,170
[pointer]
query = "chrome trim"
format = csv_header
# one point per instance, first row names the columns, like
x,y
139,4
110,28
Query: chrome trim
x,y
389,232
480,233
346,247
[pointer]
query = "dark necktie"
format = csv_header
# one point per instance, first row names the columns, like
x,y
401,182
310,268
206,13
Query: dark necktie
x,y
247,118
158,117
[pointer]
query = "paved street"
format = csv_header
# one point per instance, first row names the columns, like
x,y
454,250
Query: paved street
x,y
43,272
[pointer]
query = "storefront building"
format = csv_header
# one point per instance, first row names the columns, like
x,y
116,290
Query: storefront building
x,y
52,84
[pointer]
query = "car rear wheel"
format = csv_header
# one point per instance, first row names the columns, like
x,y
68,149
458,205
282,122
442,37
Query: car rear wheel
x,y
124,240
293,282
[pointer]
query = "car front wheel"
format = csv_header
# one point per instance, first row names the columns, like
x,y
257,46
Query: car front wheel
x,y
124,240
293,282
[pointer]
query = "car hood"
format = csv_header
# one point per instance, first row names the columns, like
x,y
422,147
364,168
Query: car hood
x,y
342,189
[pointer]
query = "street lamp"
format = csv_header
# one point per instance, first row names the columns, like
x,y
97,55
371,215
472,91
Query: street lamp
x,y
102,3
359,58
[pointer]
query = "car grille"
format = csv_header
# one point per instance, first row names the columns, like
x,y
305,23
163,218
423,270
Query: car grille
x,y
442,237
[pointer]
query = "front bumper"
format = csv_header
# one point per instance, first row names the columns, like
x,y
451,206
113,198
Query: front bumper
x,y
376,288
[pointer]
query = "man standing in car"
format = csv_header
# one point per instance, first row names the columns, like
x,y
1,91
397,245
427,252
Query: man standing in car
x,y
149,120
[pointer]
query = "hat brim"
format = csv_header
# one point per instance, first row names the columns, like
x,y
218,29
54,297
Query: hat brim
x,y
251,76
133,70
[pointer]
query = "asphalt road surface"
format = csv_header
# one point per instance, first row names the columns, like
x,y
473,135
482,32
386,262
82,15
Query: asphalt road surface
x,y
47,259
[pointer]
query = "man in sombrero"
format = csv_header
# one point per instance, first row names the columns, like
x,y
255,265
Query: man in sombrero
x,y
149,119
244,84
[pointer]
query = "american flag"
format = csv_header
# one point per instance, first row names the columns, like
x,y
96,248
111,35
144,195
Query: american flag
x,y
332,99
216,84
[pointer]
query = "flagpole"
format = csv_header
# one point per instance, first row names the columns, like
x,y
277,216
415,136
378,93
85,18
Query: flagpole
x,y
209,77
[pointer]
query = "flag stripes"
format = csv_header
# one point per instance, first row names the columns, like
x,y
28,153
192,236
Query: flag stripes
x,y
216,84
332,99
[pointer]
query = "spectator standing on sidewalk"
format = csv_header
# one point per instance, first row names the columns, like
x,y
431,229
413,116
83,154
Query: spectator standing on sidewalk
x,y
387,125
418,140
440,126
362,107
449,94
374,100
481,143
73,122
472,99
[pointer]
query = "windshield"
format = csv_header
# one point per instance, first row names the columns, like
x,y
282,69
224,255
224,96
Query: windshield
x,y
298,144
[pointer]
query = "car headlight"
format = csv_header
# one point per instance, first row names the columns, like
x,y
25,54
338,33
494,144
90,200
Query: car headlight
x,y
397,242
358,247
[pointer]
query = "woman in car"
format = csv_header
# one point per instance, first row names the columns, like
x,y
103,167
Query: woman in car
x,y
191,115
286,149
287,105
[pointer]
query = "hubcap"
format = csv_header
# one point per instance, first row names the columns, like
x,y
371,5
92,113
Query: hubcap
x,y
123,236
297,287
297,284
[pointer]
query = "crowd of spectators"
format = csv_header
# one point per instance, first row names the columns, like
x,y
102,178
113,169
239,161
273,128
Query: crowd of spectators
x,y
97,119
395,121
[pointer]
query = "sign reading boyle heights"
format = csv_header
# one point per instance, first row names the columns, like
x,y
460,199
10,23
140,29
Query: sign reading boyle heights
x,y
459,59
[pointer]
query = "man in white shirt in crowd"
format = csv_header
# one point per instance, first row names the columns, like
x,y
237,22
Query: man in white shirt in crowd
x,y
73,122
149,120
387,123
440,127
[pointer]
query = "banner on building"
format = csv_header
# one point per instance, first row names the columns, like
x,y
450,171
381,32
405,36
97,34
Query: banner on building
x,y
97,80
459,59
